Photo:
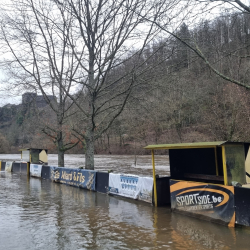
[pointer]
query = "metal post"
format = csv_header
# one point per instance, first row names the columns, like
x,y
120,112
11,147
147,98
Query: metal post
x,y
154,178
28,168
224,165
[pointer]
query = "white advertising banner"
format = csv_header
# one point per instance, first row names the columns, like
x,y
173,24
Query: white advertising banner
x,y
35,170
8,166
146,188
131,186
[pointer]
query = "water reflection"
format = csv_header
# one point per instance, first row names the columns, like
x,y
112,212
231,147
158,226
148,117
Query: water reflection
x,y
132,214
39,214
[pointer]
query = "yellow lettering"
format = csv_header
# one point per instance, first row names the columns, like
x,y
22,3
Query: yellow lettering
x,y
63,173
79,176
83,178
57,175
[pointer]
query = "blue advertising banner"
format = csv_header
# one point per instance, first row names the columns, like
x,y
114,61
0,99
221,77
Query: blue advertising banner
x,y
74,177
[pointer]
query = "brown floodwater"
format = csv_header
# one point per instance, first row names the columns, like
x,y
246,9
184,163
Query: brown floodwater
x,y
139,165
40,214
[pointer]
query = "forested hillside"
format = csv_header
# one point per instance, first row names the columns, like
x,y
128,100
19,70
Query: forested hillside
x,y
176,98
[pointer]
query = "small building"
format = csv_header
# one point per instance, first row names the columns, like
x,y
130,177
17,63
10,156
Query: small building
x,y
209,180
34,155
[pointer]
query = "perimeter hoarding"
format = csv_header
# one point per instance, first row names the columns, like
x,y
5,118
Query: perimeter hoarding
x,y
74,177
8,166
242,205
16,167
46,172
3,163
206,201
131,186
35,170
102,182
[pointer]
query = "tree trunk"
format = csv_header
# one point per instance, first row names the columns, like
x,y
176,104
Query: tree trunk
x,y
89,153
60,150
60,158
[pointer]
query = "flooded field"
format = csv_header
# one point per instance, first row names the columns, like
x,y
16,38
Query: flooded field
x,y
116,163
40,214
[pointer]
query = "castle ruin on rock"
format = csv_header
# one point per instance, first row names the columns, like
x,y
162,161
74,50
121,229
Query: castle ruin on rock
x,y
32,99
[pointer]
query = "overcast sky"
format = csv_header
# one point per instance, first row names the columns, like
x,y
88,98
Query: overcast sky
x,y
5,96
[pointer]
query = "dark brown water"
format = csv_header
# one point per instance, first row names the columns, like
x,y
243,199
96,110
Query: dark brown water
x,y
140,165
39,214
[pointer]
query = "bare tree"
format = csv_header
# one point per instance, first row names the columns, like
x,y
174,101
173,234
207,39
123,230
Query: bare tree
x,y
34,36
110,38
95,45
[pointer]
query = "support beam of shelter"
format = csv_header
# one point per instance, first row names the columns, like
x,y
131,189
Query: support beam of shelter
x,y
154,178
224,165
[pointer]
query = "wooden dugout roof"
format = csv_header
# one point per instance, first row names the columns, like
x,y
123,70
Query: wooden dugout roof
x,y
190,145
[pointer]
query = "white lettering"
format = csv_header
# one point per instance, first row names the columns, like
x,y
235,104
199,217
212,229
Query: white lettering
x,y
178,201
191,199
186,200
195,198
199,200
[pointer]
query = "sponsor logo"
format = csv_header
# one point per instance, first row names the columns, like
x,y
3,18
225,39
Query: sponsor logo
x,y
113,190
208,196
144,196
209,200
129,179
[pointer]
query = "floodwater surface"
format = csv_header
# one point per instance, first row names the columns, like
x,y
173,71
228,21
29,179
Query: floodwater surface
x,y
40,214
129,164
